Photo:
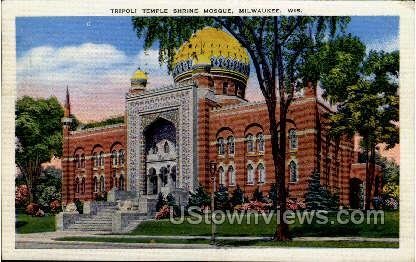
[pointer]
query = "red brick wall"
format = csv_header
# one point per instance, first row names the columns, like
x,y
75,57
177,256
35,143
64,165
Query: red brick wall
x,y
88,142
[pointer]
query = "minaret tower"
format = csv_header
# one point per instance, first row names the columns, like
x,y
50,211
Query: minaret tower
x,y
66,124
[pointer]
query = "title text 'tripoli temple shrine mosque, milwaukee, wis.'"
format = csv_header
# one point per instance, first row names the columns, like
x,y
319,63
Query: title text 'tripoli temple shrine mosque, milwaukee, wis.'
x,y
170,134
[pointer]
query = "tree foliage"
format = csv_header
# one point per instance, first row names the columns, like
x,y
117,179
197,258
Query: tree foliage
x,y
371,109
38,135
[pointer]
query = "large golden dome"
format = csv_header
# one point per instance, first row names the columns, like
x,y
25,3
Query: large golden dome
x,y
213,48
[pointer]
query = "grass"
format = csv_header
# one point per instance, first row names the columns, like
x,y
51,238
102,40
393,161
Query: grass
x,y
27,224
235,243
390,228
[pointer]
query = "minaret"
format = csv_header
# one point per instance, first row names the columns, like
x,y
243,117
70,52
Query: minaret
x,y
138,82
66,124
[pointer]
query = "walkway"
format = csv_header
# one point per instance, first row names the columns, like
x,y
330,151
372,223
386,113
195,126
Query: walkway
x,y
47,240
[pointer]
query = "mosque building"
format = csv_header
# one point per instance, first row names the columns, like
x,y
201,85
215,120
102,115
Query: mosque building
x,y
170,134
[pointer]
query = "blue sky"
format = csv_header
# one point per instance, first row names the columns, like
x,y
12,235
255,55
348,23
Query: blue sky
x,y
95,57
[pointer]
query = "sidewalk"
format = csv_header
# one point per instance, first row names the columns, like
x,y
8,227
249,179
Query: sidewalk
x,y
50,236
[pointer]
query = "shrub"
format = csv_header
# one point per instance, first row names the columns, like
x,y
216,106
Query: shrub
x,y
47,194
21,196
160,202
55,206
40,213
254,206
32,209
199,199
79,205
295,205
237,197
101,196
164,212
258,195
222,201
391,204
318,197
171,202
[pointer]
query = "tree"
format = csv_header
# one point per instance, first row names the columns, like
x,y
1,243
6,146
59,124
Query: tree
x,y
371,109
237,196
38,136
278,47
199,199
222,199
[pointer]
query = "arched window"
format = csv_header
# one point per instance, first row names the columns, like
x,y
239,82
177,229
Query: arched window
x,y
221,146
83,160
231,145
77,185
260,142
102,184
121,157
95,182
166,147
154,149
231,175
221,175
101,158
83,185
261,173
250,174
114,179
225,88
121,183
77,165
250,143
293,171
114,159
293,138
95,159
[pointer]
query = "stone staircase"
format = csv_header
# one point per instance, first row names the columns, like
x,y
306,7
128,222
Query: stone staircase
x,y
102,221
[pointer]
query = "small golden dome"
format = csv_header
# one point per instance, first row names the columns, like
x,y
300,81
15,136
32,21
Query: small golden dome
x,y
139,79
211,47
139,75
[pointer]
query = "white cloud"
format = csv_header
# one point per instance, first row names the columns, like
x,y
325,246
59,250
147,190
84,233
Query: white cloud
x,y
94,73
387,45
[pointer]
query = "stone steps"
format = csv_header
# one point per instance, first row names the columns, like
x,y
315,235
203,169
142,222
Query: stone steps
x,y
102,221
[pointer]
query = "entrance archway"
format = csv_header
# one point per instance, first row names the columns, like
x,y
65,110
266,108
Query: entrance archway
x,y
355,192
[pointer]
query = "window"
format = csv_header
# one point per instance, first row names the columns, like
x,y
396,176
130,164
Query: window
x,y
101,158
95,181
231,145
77,185
83,161
154,149
221,146
102,184
260,142
261,173
114,159
250,174
293,171
293,139
77,165
121,183
221,174
83,185
166,148
95,159
250,144
231,175
121,157
224,88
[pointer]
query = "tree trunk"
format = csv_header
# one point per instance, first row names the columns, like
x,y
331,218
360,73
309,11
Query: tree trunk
x,y
370,175
279,159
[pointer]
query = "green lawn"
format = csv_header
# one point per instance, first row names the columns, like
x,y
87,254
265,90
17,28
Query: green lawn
x,y
390,228
28,224
235,243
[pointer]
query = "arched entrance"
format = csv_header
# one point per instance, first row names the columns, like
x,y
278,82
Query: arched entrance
x,y
161,155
